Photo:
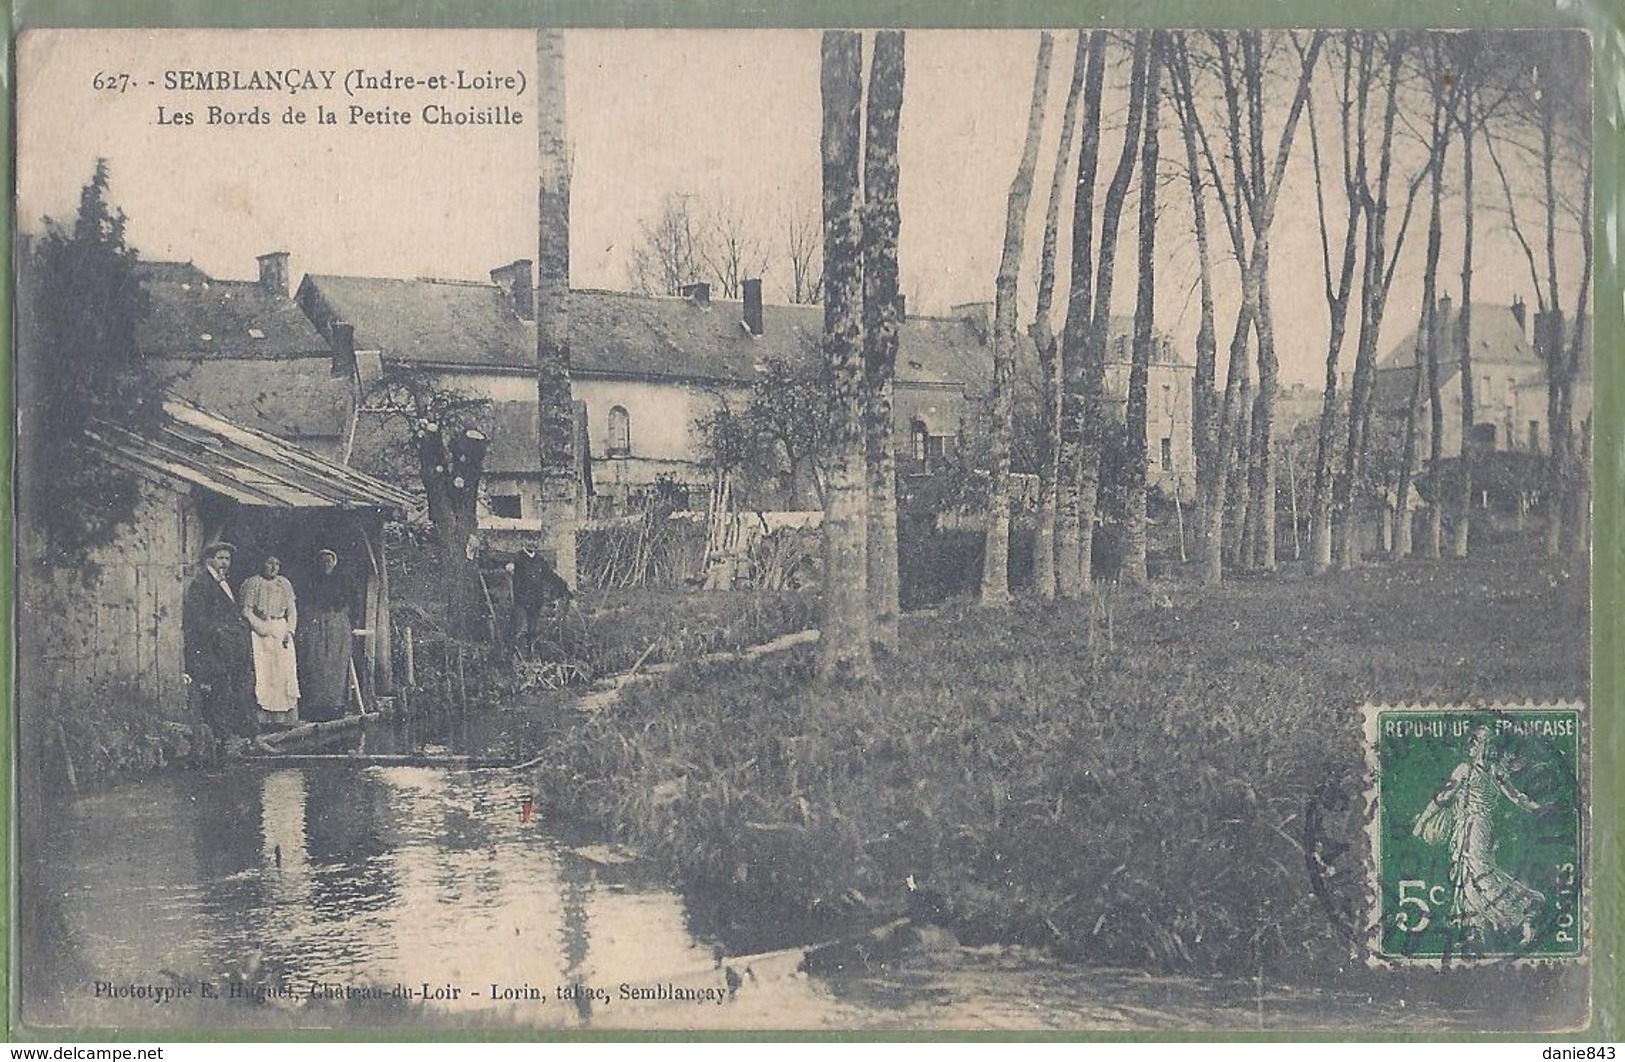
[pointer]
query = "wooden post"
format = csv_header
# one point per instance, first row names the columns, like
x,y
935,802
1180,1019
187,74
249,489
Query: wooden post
x,y
411,661
381,649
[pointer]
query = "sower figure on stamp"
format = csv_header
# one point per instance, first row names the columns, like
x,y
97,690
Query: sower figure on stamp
x,y
218,661
1483,895
328,609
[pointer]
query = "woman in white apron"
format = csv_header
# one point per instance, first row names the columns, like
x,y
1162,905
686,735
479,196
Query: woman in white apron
x,y
273,617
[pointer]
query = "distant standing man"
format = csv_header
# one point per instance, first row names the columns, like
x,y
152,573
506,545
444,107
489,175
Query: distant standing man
x,y
218,661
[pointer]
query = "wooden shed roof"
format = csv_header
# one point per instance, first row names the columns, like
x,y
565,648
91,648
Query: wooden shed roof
x,y
247,466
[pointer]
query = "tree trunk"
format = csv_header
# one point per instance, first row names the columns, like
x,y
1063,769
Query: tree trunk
x,y
450,461
1464,340
996,550
1134,532
1073,534
1373,298
1044,342
1264,419
1337,297
881,223
1204,402
1100,326
562,487
844,652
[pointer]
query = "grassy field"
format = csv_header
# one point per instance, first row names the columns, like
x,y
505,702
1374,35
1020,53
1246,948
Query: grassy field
x,y
1136,798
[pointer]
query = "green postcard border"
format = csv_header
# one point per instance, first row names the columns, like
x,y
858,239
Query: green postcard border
x,y
1605,19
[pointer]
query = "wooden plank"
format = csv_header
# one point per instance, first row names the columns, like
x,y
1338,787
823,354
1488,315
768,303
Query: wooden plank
x,y
360,759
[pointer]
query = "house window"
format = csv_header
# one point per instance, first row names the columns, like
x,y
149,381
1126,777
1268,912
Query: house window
x,y
620,432
505,506
1167,454
919,438
1534,436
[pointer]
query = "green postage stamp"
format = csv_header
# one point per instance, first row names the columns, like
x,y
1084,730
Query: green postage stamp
x,y
1477,832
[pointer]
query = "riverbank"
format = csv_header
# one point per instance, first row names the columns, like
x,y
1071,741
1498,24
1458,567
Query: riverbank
x,y
1134,799
114,733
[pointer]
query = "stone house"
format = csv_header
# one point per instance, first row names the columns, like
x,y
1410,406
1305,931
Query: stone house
x,y
645,370
242,349
1509,386
117,633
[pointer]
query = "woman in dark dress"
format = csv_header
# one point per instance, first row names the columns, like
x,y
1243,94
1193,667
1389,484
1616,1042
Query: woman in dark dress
x,y
327,609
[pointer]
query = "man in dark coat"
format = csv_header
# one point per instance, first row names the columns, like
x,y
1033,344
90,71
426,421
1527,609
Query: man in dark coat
x,y
219,664
538,590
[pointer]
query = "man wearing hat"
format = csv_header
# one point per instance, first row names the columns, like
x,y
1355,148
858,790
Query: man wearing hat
x,y
218,664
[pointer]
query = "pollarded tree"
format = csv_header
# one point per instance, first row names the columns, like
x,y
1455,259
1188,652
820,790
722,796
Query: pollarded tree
x,y
446,435
561,480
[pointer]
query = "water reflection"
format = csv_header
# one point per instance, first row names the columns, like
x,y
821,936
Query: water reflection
x,y
355,882
355,890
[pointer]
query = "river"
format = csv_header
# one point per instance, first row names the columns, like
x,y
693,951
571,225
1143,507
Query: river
x,y
431,897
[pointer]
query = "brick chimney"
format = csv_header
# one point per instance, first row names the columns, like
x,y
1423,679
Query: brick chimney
x,y
514,280
753,305
341,336
274,271
1519,311
698,293
979,315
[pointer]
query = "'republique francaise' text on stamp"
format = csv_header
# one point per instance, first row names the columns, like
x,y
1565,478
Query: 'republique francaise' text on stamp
x,y
1478,832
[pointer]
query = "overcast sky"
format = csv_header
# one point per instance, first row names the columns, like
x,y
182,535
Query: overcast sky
x,y
718,115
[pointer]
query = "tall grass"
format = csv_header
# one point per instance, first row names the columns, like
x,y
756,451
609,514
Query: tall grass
x,y
1140,804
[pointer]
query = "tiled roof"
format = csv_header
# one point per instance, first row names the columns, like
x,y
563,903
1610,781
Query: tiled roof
x,y
1497,336
615,333
246,466
1498,339
300,400
191,314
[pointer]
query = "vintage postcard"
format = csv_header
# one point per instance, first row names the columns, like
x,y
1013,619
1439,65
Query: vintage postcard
x,y
925,529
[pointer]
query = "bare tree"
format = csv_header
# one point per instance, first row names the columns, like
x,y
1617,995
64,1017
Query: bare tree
x,y
730,248
881,224
1081,383
1355,54
668,256
1475,59
844,651
1555,98
1377,276
1098,331
1045,343
1426,381
996,551
1134,532
1247,204
1204,401
803,252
